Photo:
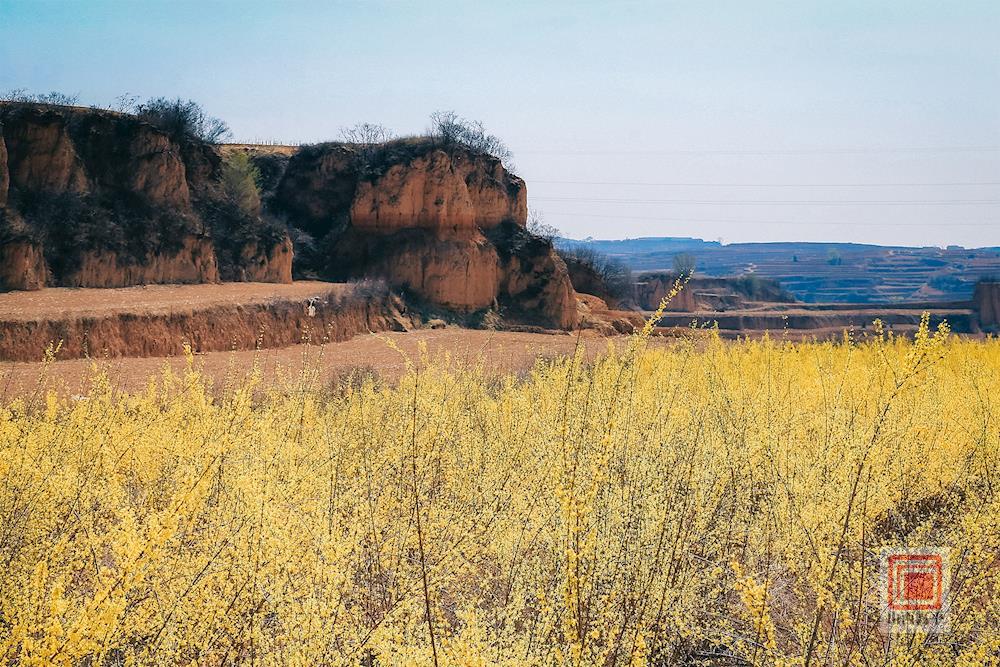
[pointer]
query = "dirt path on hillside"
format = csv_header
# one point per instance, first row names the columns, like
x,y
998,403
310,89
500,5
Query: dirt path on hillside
x,y
499,351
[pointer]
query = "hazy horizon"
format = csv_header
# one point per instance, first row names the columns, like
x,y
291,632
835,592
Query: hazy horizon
x,y
600,239
857,122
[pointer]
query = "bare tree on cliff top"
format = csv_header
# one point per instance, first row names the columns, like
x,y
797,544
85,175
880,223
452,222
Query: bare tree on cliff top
x,y
537,226
448,127
54,97
367,134
183,120
367,138
125,103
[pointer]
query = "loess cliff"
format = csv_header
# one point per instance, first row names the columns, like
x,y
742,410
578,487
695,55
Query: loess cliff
x,y
442,222
92,198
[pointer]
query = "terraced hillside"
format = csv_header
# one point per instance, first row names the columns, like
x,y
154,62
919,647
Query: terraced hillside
x,y
824,272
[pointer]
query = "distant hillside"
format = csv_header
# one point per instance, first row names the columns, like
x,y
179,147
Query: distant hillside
x,y
821,272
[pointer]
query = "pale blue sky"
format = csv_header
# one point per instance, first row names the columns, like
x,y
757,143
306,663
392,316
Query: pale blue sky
x,y
614,111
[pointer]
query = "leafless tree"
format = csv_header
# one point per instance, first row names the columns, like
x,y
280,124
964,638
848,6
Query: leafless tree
x,y
368,139
367,134
125,103
538,227
448,127
58,98
183,119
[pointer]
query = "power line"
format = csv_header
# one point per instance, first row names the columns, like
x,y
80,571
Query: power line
x,y
834,223
770,185
805,151
777,202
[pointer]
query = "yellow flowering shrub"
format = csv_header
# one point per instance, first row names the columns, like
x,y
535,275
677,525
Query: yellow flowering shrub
x,y
704,502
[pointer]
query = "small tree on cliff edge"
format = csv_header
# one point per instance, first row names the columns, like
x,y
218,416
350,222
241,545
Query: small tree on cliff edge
x,y
537,226
367,134
449,128
367,139
183,120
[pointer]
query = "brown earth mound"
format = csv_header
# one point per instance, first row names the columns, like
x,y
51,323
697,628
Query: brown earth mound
x,y
443,222
158,320
595,314
703,293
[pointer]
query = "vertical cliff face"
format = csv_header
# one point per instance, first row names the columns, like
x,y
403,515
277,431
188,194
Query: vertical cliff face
x,y
426,218
651,288
114,201
316,187
4,176
134,158
442,192
986,301
460,272
262,265
193,262
40,153
535,284
22,266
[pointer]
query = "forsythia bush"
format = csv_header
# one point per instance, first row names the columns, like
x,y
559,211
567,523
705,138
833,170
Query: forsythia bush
x,y
699,503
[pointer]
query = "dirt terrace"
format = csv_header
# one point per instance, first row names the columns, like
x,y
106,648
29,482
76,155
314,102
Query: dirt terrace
x,y
369,353
67,302
157,321
820,321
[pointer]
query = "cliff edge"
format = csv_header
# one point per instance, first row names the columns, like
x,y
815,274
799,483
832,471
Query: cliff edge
x,y
442,221
92,198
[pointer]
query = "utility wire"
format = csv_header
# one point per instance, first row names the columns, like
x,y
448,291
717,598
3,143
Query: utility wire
x,y
770,185
807,151
778,202
834,223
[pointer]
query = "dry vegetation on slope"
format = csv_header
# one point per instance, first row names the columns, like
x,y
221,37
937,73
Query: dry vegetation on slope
x,y
710,505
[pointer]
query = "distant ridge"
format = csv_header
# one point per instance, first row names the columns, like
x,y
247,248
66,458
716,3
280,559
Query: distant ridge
x,y
816,272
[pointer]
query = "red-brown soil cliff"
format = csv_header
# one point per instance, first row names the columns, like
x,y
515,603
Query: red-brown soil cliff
x,y
4,174
22,266
443,222
92,198
111,200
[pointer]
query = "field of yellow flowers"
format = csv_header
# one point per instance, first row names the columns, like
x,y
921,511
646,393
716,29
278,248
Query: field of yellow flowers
x,y
704,503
